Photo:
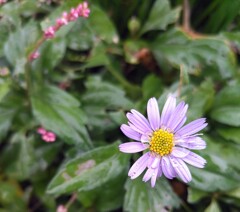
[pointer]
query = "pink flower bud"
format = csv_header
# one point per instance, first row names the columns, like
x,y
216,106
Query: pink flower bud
x,y
49,137
62,208
3,1
34,55
83,10
41,131
73,14
49,32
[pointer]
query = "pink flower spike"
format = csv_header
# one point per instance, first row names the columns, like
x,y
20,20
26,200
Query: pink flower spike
x,y
41,131
34,55
62,208
83,10
49,32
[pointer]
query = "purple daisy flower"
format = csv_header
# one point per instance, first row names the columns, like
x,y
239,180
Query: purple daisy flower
x,y
166,139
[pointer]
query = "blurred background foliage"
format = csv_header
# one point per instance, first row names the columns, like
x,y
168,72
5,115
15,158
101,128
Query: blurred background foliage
x,y
89,76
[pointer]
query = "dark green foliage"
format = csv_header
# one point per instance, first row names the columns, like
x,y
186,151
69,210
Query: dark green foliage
x,y
86,79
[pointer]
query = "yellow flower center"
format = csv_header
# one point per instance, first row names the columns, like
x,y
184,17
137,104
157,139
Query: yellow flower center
x,y
161,142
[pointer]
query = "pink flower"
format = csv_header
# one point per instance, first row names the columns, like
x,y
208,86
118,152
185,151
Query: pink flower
x,y
3,1
83,10
63,20
73,15
49,32
34,55
41,131
49,137
61,208
46,135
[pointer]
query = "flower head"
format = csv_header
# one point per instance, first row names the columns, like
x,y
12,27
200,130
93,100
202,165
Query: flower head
x,y
47,136
166,139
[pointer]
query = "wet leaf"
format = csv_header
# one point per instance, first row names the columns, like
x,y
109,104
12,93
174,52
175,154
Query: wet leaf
x,y
141,197
89,170
171,47
161,16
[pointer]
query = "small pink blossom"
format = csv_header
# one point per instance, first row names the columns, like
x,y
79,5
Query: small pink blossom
x,y
3,1
63,20
83,10
4,72
34,55
49,137
41,131
62,208
73,15
49,32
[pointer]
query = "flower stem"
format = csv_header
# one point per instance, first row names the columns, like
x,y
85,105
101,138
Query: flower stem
x,y
180,81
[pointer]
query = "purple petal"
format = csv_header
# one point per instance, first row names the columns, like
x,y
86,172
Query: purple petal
x,y
139,166
153,170
129,132
153,114
192,128
139,121
167,168
195,160
177,116
159,174
132,147
148,174
179,152
145,138
167,110
180,124
135,128
154,176
192,143
150,161
181,169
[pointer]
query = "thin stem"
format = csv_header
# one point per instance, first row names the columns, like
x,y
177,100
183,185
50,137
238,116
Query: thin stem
x,y
35,48
180,81
71,200
186,15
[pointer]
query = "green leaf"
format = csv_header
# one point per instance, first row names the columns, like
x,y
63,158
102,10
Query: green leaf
x,y
89,170
101,97
10,192
221,172
161,16
226,108
234,193
232,134
59,112
110,199
9,107
141,197
195,195
102,25
232,37
51,53
205,92
81,29
228,96
178,49
213,207
229,115
18,43
152,86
